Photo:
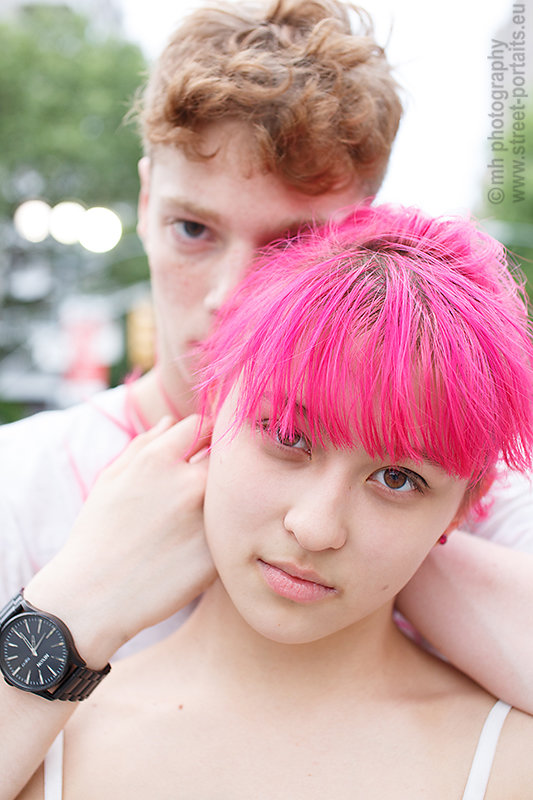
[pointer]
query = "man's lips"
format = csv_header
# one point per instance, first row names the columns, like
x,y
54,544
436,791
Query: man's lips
x,y
295,583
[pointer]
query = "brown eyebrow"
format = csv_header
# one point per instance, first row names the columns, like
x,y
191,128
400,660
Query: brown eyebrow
x,y
286,230
193,208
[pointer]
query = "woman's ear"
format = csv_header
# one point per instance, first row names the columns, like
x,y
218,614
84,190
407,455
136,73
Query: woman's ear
x,y
456,521
471,499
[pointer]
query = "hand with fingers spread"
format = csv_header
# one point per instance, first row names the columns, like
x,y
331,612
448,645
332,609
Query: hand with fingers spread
x,y
137,552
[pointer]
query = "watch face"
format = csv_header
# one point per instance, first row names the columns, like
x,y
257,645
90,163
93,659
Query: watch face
x,y
33,652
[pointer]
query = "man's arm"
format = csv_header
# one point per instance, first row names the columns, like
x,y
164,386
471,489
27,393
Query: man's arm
x,y
473,600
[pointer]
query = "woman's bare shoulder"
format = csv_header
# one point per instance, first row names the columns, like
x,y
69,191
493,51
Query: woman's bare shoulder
x,y
512,771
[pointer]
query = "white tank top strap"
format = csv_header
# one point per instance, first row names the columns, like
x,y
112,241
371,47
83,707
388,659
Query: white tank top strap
x,y
484,756
53,770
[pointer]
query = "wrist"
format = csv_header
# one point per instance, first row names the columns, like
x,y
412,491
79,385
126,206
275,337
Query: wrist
x,y
38,654
82,612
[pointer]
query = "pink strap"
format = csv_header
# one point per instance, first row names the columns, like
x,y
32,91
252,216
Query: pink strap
x,y
132,425
166,397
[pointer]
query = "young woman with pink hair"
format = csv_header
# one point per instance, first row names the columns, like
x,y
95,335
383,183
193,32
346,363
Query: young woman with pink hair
x,y
368,382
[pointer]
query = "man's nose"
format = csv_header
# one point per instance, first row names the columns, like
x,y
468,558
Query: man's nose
x,y
226,276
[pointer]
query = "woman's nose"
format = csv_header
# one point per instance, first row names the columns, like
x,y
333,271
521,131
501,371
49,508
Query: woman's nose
x,y
318,521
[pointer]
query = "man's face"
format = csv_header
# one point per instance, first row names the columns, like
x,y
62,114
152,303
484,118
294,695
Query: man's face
x,y
201,223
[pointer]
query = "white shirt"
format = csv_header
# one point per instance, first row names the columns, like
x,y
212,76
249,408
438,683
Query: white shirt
x,y
509,521
48,464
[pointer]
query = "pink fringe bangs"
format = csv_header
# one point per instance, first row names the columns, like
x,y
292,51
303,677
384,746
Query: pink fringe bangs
x,y
405,335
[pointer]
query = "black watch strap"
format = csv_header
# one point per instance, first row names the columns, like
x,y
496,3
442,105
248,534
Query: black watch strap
x,y
78,684
14,606
79,681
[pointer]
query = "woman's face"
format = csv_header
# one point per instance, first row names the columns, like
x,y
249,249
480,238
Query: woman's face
x,y
308,541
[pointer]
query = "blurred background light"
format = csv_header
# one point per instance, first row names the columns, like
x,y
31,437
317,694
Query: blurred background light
x,y
101,230
65,222
32,220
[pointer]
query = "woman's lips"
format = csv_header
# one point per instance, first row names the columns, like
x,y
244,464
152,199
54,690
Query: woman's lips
x,y
288,581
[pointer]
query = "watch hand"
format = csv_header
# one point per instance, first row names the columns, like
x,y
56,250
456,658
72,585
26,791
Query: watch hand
x,y
39,643
31,649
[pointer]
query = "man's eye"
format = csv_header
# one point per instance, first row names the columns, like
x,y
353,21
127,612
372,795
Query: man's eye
x,y
399,480
190,229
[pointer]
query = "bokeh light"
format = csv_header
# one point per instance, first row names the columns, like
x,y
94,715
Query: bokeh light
x,y
32,220
97,229
101,230
65,222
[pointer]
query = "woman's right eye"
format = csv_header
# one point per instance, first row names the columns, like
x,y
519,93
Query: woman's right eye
x,y
287,441
296,441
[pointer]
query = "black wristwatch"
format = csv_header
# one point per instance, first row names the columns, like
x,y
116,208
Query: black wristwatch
x,y
37,654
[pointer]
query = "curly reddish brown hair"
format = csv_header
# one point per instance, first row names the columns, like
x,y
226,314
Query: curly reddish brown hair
x,y
318,95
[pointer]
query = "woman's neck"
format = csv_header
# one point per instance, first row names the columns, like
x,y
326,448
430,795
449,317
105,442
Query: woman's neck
x,y
226,646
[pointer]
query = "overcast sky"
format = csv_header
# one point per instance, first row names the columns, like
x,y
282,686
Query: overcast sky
x,y
440,51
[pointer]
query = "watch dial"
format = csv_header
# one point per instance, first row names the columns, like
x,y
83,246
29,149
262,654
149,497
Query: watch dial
x,y
33,652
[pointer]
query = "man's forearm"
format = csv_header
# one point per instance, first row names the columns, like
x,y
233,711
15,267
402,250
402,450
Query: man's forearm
x,y
473,601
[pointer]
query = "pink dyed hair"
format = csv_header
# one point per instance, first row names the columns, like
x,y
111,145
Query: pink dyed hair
x,y
401,333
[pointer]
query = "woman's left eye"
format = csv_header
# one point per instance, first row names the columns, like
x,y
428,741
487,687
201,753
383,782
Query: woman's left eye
x,y
399,480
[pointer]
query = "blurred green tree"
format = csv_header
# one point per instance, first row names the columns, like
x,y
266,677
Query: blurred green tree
x,y
65,89
508,191
64,92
